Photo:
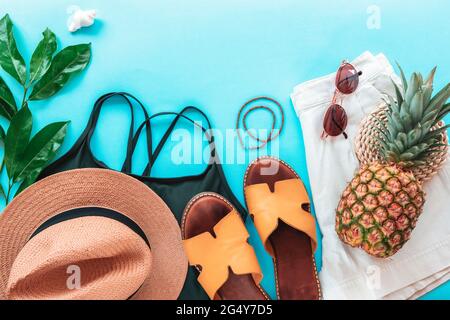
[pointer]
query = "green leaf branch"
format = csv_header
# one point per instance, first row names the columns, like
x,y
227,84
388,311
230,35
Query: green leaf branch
x,y
49,71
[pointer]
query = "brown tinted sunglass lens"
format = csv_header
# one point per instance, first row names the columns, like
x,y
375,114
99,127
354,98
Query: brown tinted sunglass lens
x,y
347,78
335,120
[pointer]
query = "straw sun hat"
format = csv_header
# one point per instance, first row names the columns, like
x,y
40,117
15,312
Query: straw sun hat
x,y
90,234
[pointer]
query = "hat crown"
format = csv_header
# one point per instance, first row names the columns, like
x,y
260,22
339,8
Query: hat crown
x,y
90,257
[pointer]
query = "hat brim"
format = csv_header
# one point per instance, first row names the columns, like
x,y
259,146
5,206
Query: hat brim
x,y
99,188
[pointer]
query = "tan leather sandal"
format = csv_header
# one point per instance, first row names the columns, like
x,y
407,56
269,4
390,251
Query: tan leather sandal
x,y
280,208
215,241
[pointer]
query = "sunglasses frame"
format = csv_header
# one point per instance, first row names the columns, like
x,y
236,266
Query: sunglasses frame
x,y
337,93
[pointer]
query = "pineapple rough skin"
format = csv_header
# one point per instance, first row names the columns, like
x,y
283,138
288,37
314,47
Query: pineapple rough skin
x,y
379,209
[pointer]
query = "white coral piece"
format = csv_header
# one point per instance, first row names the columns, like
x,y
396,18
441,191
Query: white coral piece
x,y
80,18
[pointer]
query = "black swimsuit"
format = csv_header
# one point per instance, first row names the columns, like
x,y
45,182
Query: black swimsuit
x,y
176,192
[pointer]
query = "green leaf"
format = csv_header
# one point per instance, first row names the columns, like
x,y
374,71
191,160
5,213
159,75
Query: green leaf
x,y
10,58
42,56
394,148
417,149
427,92
417,163
432,141
393,105
406,156
412,88
420,79
444,111
430,78
414,136
437,145
28,181
403,138
2,192
41,149
430,115
400,147
65,64
398,93
406,120
440,98
437,132
416,107
17,138
392,156
8,107
426,126
2,134
395,120
402,76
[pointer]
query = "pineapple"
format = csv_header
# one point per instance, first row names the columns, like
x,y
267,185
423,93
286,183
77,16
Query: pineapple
x,y
380,207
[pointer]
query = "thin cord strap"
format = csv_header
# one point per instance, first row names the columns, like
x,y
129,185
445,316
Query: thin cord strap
x,y
127,165
167,133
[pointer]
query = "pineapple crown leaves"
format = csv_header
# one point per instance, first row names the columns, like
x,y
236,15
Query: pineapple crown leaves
x,y
409,135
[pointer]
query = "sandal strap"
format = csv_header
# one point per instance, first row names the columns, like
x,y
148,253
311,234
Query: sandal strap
x,y
284,204
229,249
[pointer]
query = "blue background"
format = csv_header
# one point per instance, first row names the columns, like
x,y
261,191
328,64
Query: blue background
x,y
216,55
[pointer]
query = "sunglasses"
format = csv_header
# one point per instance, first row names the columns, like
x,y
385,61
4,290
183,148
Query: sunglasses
x,y
335,120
